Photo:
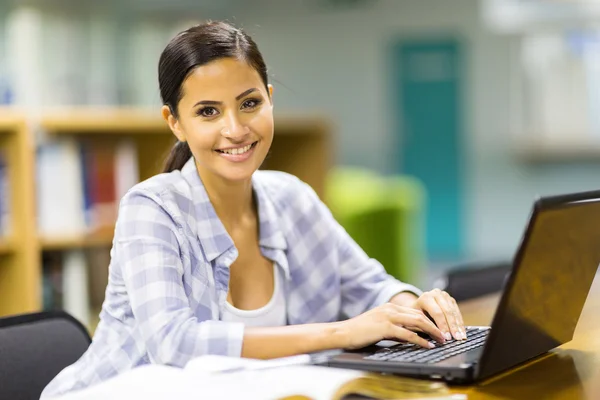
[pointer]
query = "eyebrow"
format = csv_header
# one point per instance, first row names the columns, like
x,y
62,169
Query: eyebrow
x,y
214,102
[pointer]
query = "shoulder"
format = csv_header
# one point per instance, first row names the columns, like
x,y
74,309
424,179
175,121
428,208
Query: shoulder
x,y
169,191
290,195
284,188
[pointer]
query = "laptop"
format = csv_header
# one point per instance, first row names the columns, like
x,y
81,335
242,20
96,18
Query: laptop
x,y
541,302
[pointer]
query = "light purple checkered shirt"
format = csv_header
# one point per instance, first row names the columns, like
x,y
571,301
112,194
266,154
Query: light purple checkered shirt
x,y
169,273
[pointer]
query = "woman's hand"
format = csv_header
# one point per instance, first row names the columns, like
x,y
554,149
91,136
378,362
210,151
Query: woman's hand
x,y
389,322
441,307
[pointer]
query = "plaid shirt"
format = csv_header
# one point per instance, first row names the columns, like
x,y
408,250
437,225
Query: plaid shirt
x,y
169,273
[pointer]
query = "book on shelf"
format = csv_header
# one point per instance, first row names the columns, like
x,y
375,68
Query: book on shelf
x,y
52,285
98,179
59,189
80,184
560,85
64,275
253,379
4,196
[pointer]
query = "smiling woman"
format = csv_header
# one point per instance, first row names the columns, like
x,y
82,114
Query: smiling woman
x,y
215,256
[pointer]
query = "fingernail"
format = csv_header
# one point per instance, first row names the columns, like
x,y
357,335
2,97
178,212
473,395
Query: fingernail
x,y
447,336
431,345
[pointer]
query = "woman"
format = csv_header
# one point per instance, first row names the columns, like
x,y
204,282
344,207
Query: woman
x,y
216,257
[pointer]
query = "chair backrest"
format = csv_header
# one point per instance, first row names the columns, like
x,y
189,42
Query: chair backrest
x,y
464,283
34,348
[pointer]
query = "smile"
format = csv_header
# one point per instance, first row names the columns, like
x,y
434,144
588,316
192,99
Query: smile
x,y
238,154
238,150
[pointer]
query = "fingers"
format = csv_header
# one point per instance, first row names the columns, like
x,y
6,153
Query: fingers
x,y
429,304
458,315
444,311
415,320
403,334
450,314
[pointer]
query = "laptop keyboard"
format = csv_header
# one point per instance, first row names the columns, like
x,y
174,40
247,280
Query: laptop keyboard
x,y
408,352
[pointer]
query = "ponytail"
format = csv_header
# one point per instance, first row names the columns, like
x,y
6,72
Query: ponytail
x,y
179,155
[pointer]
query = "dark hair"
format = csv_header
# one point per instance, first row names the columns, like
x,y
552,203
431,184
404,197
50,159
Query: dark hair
x,y
195,47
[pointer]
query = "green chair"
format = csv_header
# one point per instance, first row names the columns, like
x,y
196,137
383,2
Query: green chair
x,y
383,214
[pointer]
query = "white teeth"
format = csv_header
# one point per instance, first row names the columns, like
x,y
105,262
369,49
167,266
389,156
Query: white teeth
x,y
240,150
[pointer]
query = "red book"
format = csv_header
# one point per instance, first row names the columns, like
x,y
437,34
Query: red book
x,y
103,186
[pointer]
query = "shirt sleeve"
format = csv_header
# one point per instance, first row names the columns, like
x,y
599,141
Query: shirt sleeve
x,y
364,282
148,246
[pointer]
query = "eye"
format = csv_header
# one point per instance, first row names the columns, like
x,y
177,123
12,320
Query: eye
x,y
207,112
251,103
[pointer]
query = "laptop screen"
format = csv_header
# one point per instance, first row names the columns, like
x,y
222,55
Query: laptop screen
x,y
545,294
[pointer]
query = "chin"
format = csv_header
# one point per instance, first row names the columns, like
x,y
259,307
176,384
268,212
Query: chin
x,y
235,178
240,171
237,174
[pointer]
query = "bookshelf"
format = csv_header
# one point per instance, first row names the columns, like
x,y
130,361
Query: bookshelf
x,y
100,239
151,135
579,148
6,247
302,146
20,278
553,92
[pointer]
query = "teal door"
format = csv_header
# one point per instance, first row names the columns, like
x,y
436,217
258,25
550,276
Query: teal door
x,y
427,88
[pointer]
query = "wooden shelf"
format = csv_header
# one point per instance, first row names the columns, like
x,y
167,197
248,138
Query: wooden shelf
x,y
103,239
11,120
114,121
21,276
578,149
6,246
119,121
313,125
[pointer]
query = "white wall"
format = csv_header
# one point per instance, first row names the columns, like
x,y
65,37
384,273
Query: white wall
x,y
336,63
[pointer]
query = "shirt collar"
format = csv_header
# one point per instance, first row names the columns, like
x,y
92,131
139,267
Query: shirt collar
x,y
212,234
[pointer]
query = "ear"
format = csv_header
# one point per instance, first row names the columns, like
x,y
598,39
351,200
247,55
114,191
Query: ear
x,y
270,92
173,123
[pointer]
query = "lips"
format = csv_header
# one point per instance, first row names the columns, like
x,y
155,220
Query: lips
x,y
237,150
238,154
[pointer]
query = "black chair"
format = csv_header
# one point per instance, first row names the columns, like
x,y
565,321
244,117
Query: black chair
x,y
34,348
471,281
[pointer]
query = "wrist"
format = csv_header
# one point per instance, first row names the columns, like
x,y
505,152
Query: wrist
x,y
337,335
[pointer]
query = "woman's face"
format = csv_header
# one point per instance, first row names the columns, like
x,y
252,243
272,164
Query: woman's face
x,y
226,117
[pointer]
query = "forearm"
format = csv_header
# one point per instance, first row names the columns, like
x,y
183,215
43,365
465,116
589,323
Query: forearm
x,y
290,340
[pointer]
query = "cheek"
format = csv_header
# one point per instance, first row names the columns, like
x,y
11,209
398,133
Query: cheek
x,y
262,124
202,136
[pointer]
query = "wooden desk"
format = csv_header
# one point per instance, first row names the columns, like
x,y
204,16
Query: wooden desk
x,y
571,371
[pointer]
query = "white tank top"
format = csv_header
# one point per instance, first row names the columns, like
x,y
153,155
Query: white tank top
x,y
271,314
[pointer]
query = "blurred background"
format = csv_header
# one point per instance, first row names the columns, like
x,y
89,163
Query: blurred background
x,y
429,127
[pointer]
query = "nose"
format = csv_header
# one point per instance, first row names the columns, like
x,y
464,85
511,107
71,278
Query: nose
x,y
234,129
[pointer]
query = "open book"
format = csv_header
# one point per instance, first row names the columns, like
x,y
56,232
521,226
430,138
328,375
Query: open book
x,y
216,377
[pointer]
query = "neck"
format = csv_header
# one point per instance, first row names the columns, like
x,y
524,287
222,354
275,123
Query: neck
x,y
232,201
